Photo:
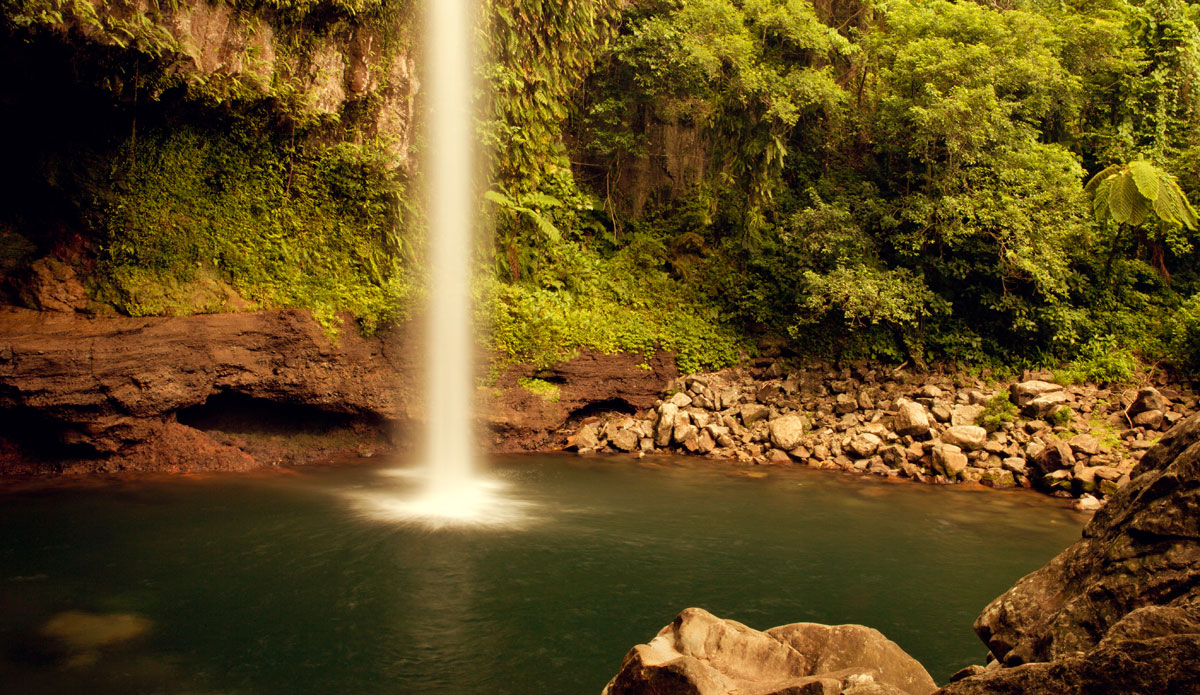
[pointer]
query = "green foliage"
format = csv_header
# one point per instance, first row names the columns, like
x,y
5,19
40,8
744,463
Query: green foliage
x,y
1061,416
609,305
1184,341
187,210
1129,194
540,387
998,410
538,52
1101,360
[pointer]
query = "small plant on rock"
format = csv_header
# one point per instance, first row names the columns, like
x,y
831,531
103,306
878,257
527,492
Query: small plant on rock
x,y
997,411
1061,416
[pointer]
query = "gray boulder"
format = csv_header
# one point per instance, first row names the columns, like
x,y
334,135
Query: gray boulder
x,y
949,460
865,445
1148,399
666,424
1043,405
1026,391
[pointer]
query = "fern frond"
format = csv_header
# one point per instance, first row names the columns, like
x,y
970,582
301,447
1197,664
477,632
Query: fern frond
x,y
1105,174
1147,177
1121,197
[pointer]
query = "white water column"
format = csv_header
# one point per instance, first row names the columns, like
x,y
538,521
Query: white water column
x,y
449,167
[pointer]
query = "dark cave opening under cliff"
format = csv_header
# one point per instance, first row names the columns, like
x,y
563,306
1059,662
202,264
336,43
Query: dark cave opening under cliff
x,y
289,432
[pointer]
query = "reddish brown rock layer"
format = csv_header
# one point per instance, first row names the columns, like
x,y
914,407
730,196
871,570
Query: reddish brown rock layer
x,y
105,392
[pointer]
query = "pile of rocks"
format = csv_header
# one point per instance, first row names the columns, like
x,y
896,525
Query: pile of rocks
x,y
1079,440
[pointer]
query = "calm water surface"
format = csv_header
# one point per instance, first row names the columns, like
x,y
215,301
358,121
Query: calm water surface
x,y
285,582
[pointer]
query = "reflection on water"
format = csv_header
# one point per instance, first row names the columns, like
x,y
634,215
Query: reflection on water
x,y
307,583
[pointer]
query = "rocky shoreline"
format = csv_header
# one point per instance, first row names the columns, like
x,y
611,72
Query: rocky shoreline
x,y
1070,441
1116,613
83,394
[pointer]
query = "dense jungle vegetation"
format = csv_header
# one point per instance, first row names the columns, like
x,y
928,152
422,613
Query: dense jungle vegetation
x,y
1000,183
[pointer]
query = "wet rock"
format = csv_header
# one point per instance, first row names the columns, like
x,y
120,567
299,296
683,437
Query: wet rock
x,y
700,654
1087,503
85,631
865,445
968,437
787,431
949,460
910,419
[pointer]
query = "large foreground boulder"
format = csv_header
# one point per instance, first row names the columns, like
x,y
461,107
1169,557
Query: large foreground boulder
x,y
1118,611
701,654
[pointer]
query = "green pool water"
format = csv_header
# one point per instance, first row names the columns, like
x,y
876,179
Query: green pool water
x,y
288,582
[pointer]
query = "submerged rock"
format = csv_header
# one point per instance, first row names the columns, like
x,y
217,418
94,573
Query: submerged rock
x,y
701,654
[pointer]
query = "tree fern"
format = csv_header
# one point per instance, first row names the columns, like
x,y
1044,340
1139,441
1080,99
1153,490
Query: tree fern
x,y
1128,194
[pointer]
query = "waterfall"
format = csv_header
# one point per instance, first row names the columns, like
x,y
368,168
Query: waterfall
x,y
450,176
450,491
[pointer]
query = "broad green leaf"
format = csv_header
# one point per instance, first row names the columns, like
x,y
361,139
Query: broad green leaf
x,y
1121,197
1146,176
1104,175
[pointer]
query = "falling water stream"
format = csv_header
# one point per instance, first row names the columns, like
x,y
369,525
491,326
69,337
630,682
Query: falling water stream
x,y
453,491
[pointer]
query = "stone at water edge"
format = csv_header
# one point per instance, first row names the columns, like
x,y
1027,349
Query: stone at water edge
x,y
586,438
949,460
666,424
701,654
787,431
911,419
865,445
967,437
626,440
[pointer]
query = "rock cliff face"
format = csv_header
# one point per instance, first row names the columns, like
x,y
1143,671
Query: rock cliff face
x,y
1119,611
106,392
319,63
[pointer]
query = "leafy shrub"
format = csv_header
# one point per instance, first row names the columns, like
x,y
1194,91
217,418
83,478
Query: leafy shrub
x,y
191,210
1101,360
1061,416
1184,340
997,411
